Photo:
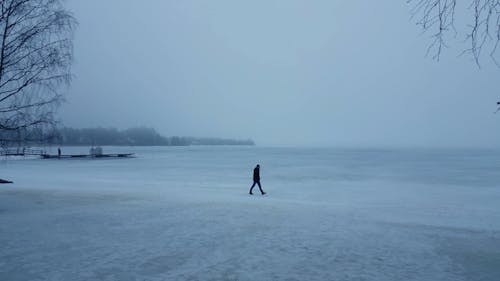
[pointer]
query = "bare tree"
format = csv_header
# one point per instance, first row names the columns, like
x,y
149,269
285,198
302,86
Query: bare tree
x,y
35,65
481,31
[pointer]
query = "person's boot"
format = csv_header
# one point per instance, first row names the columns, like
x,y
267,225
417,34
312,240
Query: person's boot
x,y
250,193
263,193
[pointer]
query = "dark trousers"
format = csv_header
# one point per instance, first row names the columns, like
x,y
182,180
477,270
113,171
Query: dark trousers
x,y
258,183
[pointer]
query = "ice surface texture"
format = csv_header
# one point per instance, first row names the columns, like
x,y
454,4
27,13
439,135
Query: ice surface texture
x,y
185,214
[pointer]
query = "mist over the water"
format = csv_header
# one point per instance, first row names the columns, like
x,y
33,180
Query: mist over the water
x,y
349,73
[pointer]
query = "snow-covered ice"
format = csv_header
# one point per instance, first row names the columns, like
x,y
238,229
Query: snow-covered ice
x,y
184,213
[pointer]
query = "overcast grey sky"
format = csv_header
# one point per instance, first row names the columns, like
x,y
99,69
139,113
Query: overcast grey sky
x,y
280,72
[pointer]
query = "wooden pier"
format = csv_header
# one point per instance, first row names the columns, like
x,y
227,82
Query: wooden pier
x,y
44,155
66,156
21,152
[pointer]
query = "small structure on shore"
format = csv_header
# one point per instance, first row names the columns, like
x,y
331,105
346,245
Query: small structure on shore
x,y
96,151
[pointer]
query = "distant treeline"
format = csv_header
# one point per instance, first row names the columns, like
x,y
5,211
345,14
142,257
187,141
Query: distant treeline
x,y
133,136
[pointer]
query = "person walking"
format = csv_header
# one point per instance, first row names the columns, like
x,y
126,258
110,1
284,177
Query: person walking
x,y
59,152
256,180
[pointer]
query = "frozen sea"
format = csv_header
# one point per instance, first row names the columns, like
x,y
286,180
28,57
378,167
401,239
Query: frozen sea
x,y
184,213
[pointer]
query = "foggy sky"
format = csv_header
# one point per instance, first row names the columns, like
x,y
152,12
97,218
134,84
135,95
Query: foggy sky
x,y
347,73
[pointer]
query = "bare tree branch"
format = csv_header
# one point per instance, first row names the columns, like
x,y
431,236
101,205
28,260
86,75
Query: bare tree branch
x,y
35,64
438,17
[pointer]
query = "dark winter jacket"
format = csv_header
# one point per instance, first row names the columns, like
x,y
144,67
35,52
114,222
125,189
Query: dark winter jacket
x,y
256,174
